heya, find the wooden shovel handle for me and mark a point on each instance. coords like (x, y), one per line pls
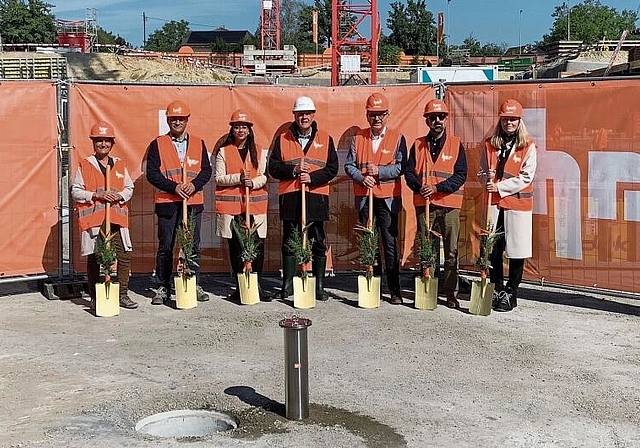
(370, 220)
(107, 218)
(184, 201)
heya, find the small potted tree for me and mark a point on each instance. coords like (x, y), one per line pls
(482, 291)
(107, 290)
(304, 286)
(426, 284)
(368, 284)
(247, 279)
(185, 281)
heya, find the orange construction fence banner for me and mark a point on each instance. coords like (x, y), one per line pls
(137, 113)
(586, 209)
(29, 183)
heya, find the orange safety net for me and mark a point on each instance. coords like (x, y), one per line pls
(29, 183)
(586, 218)
(137, 113)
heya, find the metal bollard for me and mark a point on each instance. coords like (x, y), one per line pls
(296, 367)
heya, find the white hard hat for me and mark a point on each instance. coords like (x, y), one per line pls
(304, 104)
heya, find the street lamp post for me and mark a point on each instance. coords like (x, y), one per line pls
(569, 23)
(520, 33)
(447, 22)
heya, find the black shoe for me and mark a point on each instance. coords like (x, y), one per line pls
(322, 296)
(265, 296)
(504, 302)
(234, 296)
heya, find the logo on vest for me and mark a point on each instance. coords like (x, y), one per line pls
(191, 162)
(119, 175)
(386, 151)
(517, 158)
(317, 145)
(446, 157)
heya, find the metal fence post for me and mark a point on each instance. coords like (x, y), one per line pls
(296, 354)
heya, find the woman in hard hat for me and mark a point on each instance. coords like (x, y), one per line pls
(510, 162)
(88, 190)
(240, 163)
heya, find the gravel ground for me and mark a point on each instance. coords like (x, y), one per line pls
(561, 370)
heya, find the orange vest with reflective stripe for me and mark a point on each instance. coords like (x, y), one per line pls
(316, 156)
(438, 171)
(384, 156)
(94, 214)
(230, 200)
(171, 167)
(522, 200)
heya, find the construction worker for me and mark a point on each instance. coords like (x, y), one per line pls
(304, 155)
(166, 156)
(510, 160)
(375, 162)
(239, 166)
(436, 171)
(89, 192)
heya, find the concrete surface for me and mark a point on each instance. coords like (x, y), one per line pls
(561, 370)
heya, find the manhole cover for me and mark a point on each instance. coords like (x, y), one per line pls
(186, 423)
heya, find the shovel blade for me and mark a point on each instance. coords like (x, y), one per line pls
(426, 293)
(248, 287)
(185, 292)
(304, 293)
(368, 292)
(107, 299)
(481, 297)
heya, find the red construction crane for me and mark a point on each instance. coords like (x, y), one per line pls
(270, 25)
(353, 53)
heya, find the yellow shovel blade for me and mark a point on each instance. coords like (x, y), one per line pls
(107, 299)
(481, 296)
(426, 293)
(304, 293)
(368, 292)
(185, 292)
(248, 286)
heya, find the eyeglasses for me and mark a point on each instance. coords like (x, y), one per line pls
(237, 127)
(434, 117)
(381, 116)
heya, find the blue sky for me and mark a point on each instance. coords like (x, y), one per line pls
(489, 21)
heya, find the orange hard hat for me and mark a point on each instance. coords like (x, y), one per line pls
(377, 102)
(435, 107)
(511, 108)
(102, 130)
(178, 108)
(240, 116)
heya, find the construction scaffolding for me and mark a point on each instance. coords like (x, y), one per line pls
(81, 34)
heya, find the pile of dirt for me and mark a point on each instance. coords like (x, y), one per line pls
(113, 67)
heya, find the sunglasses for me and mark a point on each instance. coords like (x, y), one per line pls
(381, 116)
(434, 117)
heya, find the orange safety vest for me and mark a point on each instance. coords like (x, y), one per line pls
(522, 200)
(230, 200)
(384, 156)
(438, 172)
(292, 153)
(94, 214)
(171, 167)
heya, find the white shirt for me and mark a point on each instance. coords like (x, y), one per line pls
(377, 139)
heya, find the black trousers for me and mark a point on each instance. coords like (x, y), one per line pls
(516, 265)
(169, 219)
(315, 235)
(387, 224)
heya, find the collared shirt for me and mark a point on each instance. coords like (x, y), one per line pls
(377, 139)
(181, 146)
(304, 140)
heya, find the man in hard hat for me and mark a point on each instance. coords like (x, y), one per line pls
(304, 155)
(436, 171)
(375, 162)
(89, 192)
(166, 155)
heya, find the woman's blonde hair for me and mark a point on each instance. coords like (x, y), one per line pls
(522, 136)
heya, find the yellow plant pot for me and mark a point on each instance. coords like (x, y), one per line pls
(426, 293)
(481, 297)
(304, 292)
(248, 285)
(107, 299)
(368, 292)
(185, 292)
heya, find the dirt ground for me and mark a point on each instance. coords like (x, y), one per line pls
(561, 370)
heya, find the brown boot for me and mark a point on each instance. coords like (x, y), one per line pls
(126, 302)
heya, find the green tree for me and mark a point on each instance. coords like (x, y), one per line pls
(412, 27)
(108, 38)
(476, 48)
(30, 22)
(588, 21)
(169, 37)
